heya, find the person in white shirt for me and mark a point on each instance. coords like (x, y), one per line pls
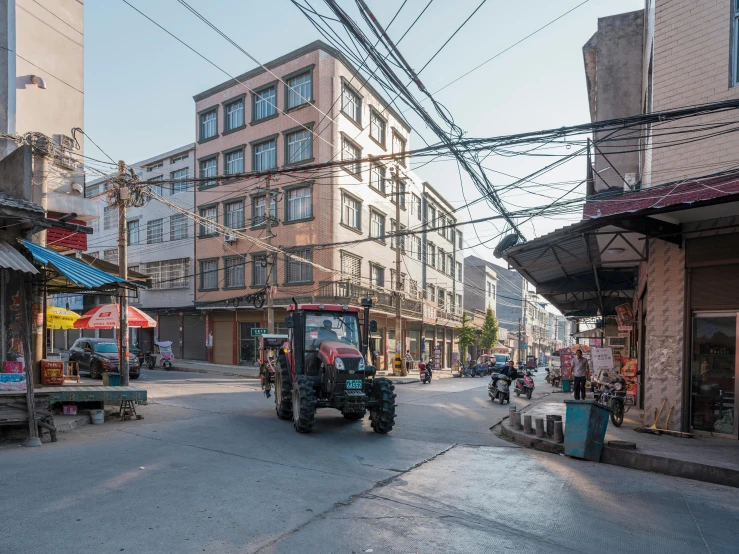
(580, 373)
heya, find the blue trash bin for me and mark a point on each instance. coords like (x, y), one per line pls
(585, 429)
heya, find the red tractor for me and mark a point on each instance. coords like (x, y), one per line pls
(322, 365)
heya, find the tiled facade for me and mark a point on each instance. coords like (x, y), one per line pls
(257, 122)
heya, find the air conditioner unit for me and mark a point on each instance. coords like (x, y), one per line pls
(64, 141)
(229, 237)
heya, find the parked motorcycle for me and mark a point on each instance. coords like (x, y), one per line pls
(150, 360)
(424, 373)
(481, 370)
(468, 371)
(500, 389)
(524, 385)
(613, 397)
(553, 378)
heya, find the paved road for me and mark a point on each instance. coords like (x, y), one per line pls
(211, 469)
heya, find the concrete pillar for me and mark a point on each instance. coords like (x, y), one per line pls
(539, 422)
(558, 433)
(511, 414)
(527, 424)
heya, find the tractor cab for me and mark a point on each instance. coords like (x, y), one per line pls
(322, 364)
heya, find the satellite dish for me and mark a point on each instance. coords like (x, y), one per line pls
(508, 241)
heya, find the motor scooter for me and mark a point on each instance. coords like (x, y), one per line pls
(424, 373)
(524, 385)
(499, 389)
(468, 370)
(553, 377)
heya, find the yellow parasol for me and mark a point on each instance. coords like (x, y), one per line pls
(59, 318)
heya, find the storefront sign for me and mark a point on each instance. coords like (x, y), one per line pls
(52, 372)
(565, 361)
(437, 357)
(602, 363)
(624, 335)
(624, 317)
(75, 301)
(256, 331)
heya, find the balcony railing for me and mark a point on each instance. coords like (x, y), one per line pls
(345, 292)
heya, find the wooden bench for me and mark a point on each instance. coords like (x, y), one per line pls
(14, 411)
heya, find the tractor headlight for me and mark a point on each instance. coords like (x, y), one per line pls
(360, 367)
(618, 386)
(339, 363)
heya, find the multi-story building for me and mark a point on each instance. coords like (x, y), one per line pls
(480, 284)
(42, 91)
(307, 107)
(160, 245)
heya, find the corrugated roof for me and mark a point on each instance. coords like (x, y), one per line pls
(74, 270)
(10, 258)
(20, 204)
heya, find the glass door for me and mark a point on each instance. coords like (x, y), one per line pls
(713, 368)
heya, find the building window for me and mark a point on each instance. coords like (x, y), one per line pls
(416, 206)
(180, 158)
(442, 261)
(393, 284)
(260, 270)
(351, 211)
(490, 294)
(167, 274)
(299, 204)
(155, 166)
(180, 184)
(208, 168)
(296, 270)
(265, 155)
(432, 216)
(133, 269)
(259, 211)
(350, 152)
(210, 213)
(110, 217)
(233, 215)
(111, 255)
(377, 127)
(234, 162)
(178, 227)
(431, 254)
(154, 231)
(157, 189)
(459, 300)
(413, 288)
(402, 192)
(399, 148)
(265, 103)
(431, 293)
(208, 124)
(416, 247)
(377, 275)
(233, 272)
(351, 268)
(351, 103)
(234, 115)
(377, 225)
(299, 146)
(394, 239)
(441, 293)
(300, 90)
(452, 233)
(459, 241)
(441, 225)
(209, 274)
(133, 232)
(450, 264)
(377, 177)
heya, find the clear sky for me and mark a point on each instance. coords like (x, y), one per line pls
(139, 82)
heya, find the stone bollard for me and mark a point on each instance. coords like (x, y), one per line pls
(539, 422)
(517, 422)
(511, 414)
(559, 435)
(527, 424)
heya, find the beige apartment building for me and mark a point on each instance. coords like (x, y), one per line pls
(307, 107)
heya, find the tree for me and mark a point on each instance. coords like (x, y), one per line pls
(467, 337)
(489, 336)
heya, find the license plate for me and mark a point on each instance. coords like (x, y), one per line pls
(354, 384)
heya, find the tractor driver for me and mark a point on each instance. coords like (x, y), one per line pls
(326, 333)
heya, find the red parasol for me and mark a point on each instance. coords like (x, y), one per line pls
(107, 316)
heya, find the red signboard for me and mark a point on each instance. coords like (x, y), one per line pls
(52, 372)
(61, 239)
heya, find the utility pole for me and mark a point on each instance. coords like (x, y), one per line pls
(122, 199)
(268, 213)
(398, 280)
(519, 339)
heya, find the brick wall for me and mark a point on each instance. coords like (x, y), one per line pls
(692, 58)
(665, 324)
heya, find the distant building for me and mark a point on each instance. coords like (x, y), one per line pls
(480, 284)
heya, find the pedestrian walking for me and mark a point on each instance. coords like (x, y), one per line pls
(580, 372)
(408, 360)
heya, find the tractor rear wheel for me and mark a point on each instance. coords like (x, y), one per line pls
(304, 405)
(382, 415)
(283, 390)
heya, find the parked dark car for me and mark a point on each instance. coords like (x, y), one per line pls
(96, 356)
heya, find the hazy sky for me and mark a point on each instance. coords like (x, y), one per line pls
(139, 81)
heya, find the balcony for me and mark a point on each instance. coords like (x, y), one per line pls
(345, 292)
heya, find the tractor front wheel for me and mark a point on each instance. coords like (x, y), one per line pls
(304, 405)
(283, 397)
(382, 415)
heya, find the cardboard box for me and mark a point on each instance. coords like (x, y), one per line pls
(69, 409)
(13, 381)
(13, 367)
(52, 372)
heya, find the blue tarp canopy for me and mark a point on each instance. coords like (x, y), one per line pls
(76, 271)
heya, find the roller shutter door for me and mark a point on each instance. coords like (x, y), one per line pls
(194, 332)
(223, 332)
(169, 330)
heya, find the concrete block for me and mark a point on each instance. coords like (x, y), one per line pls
(559, 436)
(527, 424)
(539, 422)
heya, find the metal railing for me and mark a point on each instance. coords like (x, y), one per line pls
(350, 293)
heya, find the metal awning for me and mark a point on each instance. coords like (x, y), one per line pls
(77, 272)
(591, 266)
(10, 258)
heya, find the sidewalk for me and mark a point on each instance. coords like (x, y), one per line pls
(711, 460)
(252, 371)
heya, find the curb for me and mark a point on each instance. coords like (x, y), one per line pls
(213, 371)
(636, 460)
